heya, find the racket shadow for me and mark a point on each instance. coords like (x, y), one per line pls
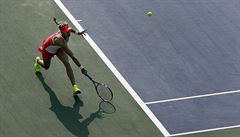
(106, 107)
(69, 116)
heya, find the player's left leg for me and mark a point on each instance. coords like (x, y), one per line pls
(45, 63)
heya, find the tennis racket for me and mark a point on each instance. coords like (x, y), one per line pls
(103, 91)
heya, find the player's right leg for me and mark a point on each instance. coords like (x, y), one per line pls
(64, 59)
(45, 63)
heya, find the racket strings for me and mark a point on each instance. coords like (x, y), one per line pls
(104, 92)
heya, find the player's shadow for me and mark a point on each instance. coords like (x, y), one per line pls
(69, 116)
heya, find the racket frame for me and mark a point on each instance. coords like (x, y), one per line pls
(96, 84)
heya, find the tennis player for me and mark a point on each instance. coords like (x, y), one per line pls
(57, 44)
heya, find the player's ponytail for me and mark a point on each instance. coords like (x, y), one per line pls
(55, 20)
(60, 24)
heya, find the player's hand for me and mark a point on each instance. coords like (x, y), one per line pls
(82, 33)
(83, 70)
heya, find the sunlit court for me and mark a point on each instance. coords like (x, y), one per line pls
(90, 68)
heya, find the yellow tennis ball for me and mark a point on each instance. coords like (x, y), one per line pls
(149, 13)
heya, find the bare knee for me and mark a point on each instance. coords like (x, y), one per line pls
(46, 64)
(47, 67)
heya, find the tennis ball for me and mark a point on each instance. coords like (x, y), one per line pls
(149, 13)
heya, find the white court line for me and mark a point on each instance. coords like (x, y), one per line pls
(115, 71)
(79, 20)
(192, 97)
(129, 88)
(207, 130)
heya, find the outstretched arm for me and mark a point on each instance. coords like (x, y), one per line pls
(73, 31)
(64, 46)
(78, 33)
(70, 53)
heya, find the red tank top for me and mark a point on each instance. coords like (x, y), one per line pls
(48, 45)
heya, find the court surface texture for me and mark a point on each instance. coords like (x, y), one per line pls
(175, 73)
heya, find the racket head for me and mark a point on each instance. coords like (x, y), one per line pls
(107, 107)
(104, 92)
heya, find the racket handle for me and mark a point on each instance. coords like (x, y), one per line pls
(88, 76)
(84, 71)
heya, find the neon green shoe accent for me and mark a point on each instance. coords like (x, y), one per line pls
(76, 90)
(37, 67)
